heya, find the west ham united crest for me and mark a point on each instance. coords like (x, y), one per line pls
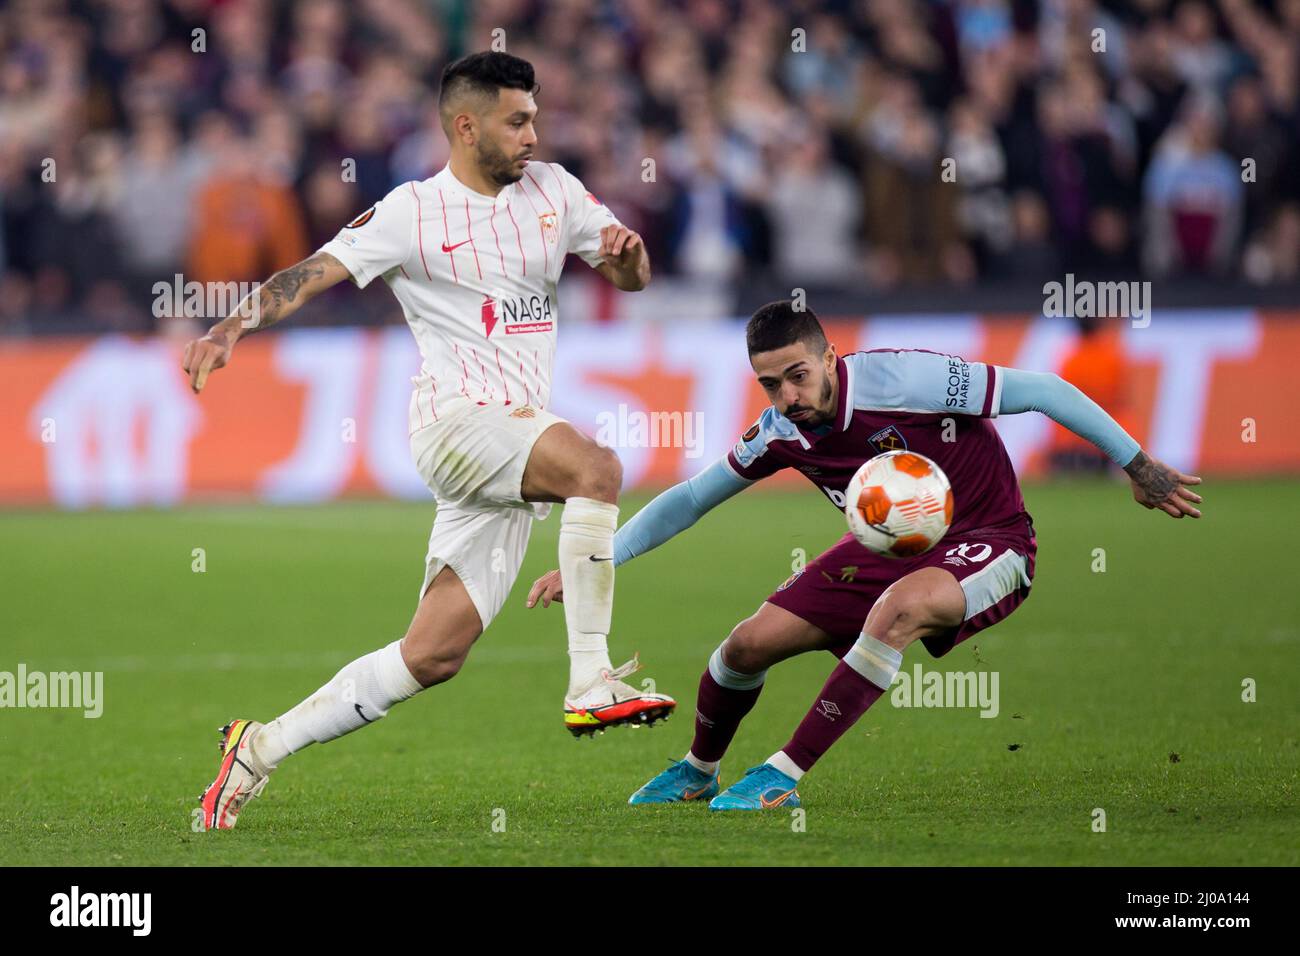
(888, 439)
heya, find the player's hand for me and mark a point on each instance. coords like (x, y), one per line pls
(205, 354)
(620, 246)
(548, 588)
(1156, 485)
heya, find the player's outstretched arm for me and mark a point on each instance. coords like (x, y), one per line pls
(668, 514)
(626, 264)
(1155, 484)
(273, 301)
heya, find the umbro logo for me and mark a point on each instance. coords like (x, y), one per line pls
(828, 709)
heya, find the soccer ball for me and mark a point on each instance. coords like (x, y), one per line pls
(898, 504)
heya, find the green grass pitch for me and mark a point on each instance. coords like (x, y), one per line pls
(1119, 690)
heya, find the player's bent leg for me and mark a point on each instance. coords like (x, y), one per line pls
(565, 465)
(444, 627)
(359, 694)
(768, 636)
(926, 602)
(728, 690)
(730, 685)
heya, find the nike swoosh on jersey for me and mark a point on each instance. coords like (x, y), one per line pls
(447, 248)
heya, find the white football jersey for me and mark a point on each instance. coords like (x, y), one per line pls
(476, 277)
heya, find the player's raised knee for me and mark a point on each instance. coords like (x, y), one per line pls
(916, 606)
(600, 475)
(743, 649)
(900, 614)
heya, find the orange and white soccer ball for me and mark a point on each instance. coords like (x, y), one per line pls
(899, 504)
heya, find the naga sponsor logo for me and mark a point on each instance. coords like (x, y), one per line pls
(958, 383)
(517, 314)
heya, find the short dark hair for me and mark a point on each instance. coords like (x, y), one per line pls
(778, 324)
(483, 75)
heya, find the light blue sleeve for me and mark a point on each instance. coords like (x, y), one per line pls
(676, 510)
(1059, 400)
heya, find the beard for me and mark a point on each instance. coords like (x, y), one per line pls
(817, 418)
(495, 165)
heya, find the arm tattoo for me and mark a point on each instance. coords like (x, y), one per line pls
(1157, 483)
(281, 291)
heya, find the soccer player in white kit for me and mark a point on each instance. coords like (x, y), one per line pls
(473, 255)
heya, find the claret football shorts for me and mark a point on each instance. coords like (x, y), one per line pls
(835, 591)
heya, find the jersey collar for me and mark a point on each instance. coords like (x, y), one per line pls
(446, 179)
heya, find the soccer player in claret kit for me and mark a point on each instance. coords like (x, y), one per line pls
(829, 414)
(473, 255)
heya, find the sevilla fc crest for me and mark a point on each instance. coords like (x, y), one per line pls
(550, 227)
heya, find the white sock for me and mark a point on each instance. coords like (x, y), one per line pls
(359, 694)
(875, 660)
(703, 766)
(787, 766)
(587, 531)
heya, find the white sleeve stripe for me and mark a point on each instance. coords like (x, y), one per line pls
(996, 405)
(726, 460)
(848, 393)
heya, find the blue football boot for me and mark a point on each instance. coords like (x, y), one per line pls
(679, 783)
(762, 788)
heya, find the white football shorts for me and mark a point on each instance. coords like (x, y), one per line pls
(472, 457)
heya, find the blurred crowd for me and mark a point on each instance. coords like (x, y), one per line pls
(879, 143)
